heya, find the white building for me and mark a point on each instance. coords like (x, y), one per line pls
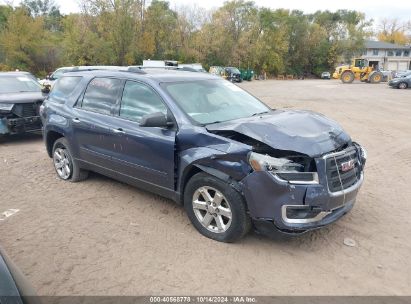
(388, 56)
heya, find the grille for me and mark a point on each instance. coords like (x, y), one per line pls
(26, 110)
(339, 179)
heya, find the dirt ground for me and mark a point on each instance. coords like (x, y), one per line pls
(101, 237)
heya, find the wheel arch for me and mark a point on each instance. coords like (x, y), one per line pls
(51, 137)
(198, 168)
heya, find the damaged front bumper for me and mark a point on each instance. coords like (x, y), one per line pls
(279, 206)
(20, 125)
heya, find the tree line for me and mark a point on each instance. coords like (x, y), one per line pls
(36, 37)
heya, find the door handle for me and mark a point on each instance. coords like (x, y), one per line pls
(76, 120)
(119, 131)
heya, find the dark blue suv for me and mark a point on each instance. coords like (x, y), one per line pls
(233, 162)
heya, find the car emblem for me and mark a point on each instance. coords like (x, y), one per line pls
(348, 166)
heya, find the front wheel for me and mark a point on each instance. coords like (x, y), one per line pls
(402, 85)
(216, 209)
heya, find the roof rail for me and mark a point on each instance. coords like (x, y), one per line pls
(136, 69)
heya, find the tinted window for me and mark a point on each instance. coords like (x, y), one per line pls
(16, 84)
(139, 100)
(101, 95)
(63, 88)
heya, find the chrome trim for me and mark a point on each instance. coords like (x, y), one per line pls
(317, 218)
(345, 191)
(349, 190)
(316, 180)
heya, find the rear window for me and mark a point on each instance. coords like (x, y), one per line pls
(63, 88)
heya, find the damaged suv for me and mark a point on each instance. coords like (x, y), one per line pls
(233, 162)
(20, 99)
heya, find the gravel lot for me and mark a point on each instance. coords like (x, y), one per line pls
(101, 237)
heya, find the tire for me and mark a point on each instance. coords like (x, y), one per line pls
(347, 77)
(376, 77)
(402, 85)
(216, 223)
(66, 167)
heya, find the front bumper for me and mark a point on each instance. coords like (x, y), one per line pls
(277, 205)
(20, 125)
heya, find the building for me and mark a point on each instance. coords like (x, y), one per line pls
(387, 56)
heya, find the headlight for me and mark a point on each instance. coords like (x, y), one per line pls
(6, 107)
(283, 169)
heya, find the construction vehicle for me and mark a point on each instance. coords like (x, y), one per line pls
(359, 69)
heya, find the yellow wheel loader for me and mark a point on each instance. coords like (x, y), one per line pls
(360, 70)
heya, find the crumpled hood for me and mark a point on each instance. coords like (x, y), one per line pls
(304, 132)
(24, 97)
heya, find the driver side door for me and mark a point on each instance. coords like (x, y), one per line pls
(146, 154)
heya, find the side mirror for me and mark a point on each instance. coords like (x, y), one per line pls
(156, 120)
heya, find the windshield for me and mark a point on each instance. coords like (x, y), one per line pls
(211, 101)
(16, 84)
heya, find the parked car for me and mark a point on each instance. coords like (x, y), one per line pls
(14, 287)
(232, 74)
(53, 77)
(326, 75)
(401, 82)
(229, 73)
(397, 74)
(20, 99)
(204, 142)
(194, 67)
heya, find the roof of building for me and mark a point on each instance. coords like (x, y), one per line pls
(370, 44)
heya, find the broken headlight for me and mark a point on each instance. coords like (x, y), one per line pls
(6, 107)
(283, 168)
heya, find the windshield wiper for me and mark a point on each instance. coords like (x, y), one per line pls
(256, 114)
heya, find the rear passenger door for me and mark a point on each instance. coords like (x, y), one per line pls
(144, 153)
(93, 119)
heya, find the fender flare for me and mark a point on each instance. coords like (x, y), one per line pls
(222, 176)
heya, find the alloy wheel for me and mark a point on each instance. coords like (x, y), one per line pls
(212, 209)
(62, 163)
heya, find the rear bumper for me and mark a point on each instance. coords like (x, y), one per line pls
(20, 125)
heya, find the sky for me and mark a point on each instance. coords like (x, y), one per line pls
(375, 9)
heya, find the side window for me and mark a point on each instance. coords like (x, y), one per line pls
(101, 95)
(63, 88)
(140, 100)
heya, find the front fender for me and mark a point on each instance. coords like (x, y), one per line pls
(231, 166)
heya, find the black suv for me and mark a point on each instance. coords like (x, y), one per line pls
(20, 99)
(202, 141)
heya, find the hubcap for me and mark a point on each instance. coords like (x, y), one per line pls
(212, 209)
(62, 163)
(402, 86)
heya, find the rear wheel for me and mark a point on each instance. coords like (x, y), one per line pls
(347, 77)
(66, 167)
(376, 77)
(216, 209)
(403, 85)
